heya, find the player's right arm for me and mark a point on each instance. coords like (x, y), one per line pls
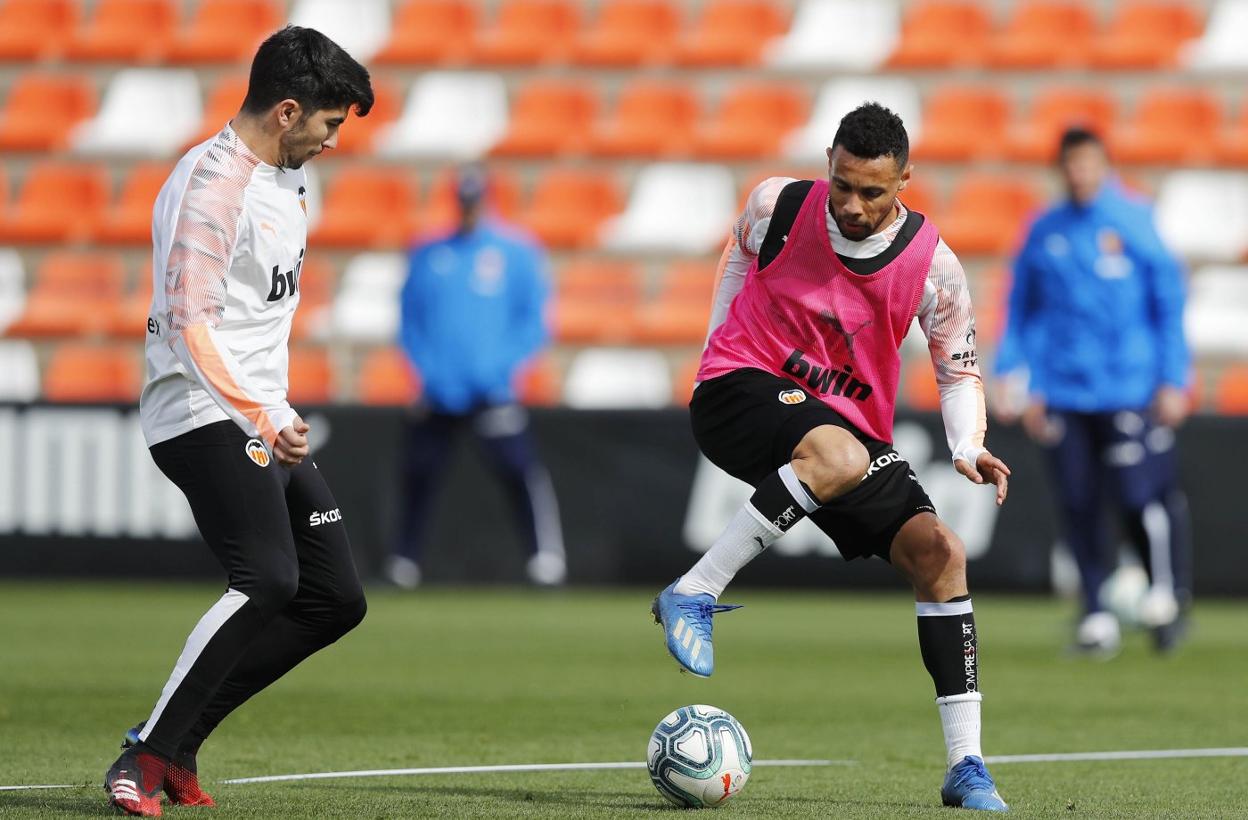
(206, 234)
(743, 246)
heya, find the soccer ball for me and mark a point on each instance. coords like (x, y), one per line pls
(699, 756)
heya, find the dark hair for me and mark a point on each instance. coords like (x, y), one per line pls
(871, 131)
(304, 65)
(1075, 136)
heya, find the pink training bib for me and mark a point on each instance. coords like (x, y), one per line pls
(836, 333)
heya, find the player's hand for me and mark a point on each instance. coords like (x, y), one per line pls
(1170, 406)
(291, 445)
(988, 469)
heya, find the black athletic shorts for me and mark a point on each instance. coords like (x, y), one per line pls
(748, 422)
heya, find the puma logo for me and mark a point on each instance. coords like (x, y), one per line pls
(847, 335)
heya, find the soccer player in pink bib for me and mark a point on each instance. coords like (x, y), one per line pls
(796, 395)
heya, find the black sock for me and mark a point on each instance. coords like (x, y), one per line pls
(783, 499)
(949, 645)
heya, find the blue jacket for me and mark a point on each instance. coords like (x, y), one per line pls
(472, 312)
(1096, 307)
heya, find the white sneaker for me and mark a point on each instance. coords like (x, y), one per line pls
(1158, 607)
(1098, 634)
(547, 569)
(403, 572)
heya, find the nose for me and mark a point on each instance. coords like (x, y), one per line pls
(332, 141)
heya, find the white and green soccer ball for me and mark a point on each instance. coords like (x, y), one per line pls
(699, 757)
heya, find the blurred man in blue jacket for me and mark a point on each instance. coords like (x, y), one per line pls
(1095, 331)
(472, 314)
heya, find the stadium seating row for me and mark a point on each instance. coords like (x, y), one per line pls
(596, 377)
(650, 118)
(1035, 34)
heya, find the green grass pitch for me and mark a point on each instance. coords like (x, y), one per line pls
(450, 677)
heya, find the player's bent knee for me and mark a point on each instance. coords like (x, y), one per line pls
(274, 587)
(830, 461)
(927, 551)
(351, 614)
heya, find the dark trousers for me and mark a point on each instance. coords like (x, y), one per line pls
(1120, 458)
(292, 583)
(502, 433)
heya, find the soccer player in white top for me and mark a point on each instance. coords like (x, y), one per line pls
(229, 234)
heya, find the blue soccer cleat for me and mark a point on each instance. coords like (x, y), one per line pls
(686, 620)
(969, 786)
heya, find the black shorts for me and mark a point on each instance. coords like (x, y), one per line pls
(744, 425)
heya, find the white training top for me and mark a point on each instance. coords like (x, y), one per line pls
(228, 238)
(945, 315)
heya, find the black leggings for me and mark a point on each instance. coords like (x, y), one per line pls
(292, 583)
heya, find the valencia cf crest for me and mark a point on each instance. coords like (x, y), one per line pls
(791, 397)
(256, 452)
(303, 199)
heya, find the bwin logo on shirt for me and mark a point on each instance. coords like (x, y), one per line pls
(333, 516)
(827, 380)
(285, 284)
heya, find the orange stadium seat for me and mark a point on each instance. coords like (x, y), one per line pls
(72, 295)
(1231, 146)
(539, 383)
(651, 119)
(751, 122)
(527, 32)
(963, 123)
(430, 32)
(1044, 34)
(311, 376)
(918, 385)
(441, 209)
(549, 118)
(943, 34)
(596, 302)
(223, 103)
(569, 205)
(1169, 126)
(730, 33)
(681, 311)
(316, 293)
(58, 203)
(1231, 394)
(35, 29)
(1034, 138)
(920, 197)
(987, 214)
(387, 378)
(357, 133)
(367, 207)
(42, 109)
(1145, 34)
(128, 221)
(683, 381)
(94, 373)
(225, 31)
(125, 31)
(127, 319)
(628, 33)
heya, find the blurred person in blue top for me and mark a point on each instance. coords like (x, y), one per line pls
(1095, 365)
(472, 314)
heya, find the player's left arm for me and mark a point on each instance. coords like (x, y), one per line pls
(946, 318)
(1168, 297)
(528, 308)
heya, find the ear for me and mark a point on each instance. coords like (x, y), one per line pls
(288, 113)
(905, 176)
(829, 153)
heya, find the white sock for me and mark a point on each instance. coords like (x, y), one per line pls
(747, 535)
(959, 717)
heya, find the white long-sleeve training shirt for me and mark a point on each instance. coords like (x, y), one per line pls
(945, 314)
(228, 239)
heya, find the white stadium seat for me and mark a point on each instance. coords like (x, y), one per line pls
(1184, 202)
(366, 308)
(1216, 306)
(675, 207)
(1221, 47)
(838, 34)
(838, 97)
(603, 378)
(361, 27)
(12, 287)
(19, 371)
(146, 112)
(449, 114)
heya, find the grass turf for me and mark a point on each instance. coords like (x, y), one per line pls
(465, 677)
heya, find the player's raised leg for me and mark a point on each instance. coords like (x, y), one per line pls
(933, 559)
(827, 462)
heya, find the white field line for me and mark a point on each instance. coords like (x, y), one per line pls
(33, 788)
(1156, 754)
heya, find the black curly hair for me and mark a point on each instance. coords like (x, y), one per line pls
(871, 131)
(302, 64)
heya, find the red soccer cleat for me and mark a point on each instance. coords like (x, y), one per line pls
(181, 779)
(134, 782)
